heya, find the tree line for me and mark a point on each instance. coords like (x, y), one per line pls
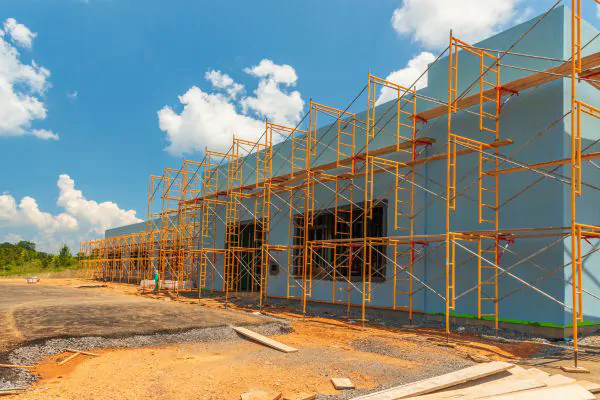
(23, 257)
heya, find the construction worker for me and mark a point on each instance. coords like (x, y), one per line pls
(156, 276)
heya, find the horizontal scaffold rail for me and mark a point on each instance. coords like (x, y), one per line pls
(516, 86)
(528, 167)
(516, 233)
(284, 180)
(288, 178)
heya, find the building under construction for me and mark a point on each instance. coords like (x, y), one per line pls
(477, 196)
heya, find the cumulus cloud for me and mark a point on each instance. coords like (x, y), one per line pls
(211, 118)
(428, 22)
(270, 101)
(407, 76)
(81, 218)
(22, 86)
(97, 217)
(220, 80)
(19, 33)
(28, 213)
(279, 73)
(45, 134)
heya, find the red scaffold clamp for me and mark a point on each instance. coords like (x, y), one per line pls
(503, 238)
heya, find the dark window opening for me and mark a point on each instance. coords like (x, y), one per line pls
(342, 255)
(247, 257)
(274, 269)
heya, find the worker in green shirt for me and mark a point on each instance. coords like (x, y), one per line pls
(156, 277)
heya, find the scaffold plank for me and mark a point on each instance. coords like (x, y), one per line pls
(264, 340)
(439, 382)
(516, 86)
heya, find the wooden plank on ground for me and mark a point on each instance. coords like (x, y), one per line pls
(479, 358)
(66, 360)
(516, 370)
(571, 392)
(509, 373)
(575, 370)
(488, 387)
(439, 382)
(15, 366)
(502, 386)
(534, 373)
(260, 394)
(300, 396)
(10, 392)
(87, 353)
(558, 380)
(342, 383)
(264, 340)
(591, 387)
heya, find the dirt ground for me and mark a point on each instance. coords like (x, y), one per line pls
(372, 357)
(71, 308)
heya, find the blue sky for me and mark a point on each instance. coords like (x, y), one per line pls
(114, 64)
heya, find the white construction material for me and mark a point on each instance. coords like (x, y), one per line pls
(571, 392)
(494, 388)
(342, 383)
(264, 340)
(439, 382)
(167, 284)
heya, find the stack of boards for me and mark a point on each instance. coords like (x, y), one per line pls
(494, 380)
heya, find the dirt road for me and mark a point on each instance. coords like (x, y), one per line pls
(224, 366)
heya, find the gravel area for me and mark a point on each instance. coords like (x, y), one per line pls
(591, 340)
(32, 354)
(412, 353)
(397, 319)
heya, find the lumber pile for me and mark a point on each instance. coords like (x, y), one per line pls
(493, 381)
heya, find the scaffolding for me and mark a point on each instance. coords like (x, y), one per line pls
(241, 196)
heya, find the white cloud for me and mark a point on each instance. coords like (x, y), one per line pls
(211, 118)
(21, 34)
(428, 22)
(279, 73)
(220, 80)
(407, 76)
(27, 213)
(73, 95)
(45, 134)
(207, 120)
(270, 101)
(97, 216)
(22, 86)
(81, 218)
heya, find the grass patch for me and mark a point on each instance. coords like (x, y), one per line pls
(520, 322)
(35, 267)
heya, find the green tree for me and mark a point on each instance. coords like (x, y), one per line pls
(26, 245)
(45, 260)
(64, 257)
